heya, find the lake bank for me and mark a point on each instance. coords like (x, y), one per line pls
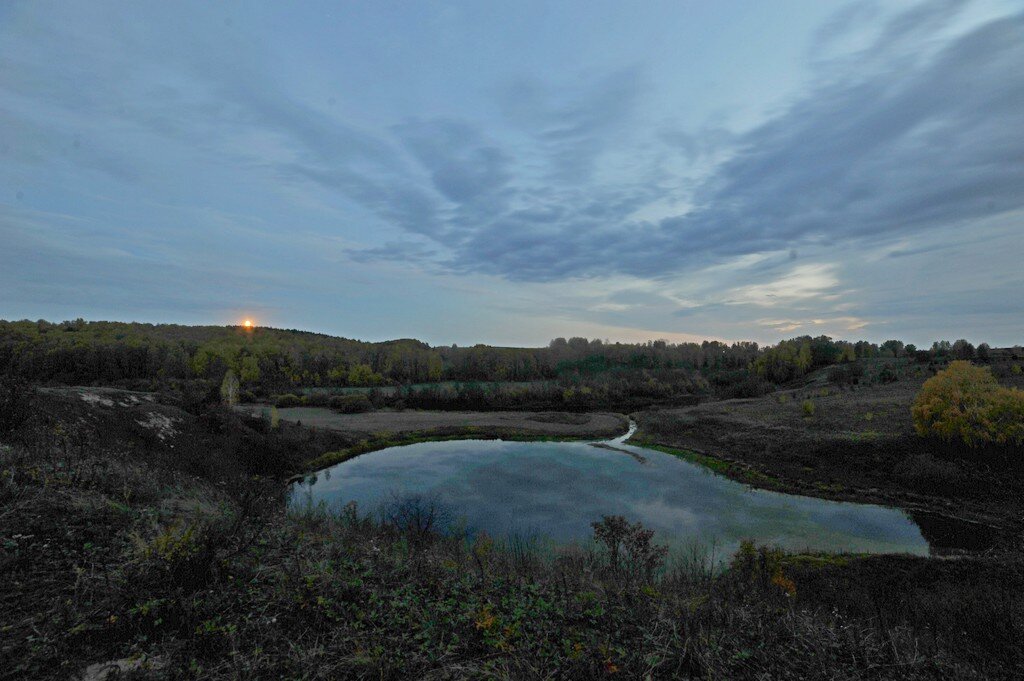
(857, 445)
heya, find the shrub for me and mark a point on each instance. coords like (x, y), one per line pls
(846, 374)
(317, 400)
(760, 567)
(808, 408)
(751, 386)
(1006, 415)
(630, 551)
(965, 403)
(287, 400)
(419, 519)
(351, 404)
(888, 375)
(181, 555)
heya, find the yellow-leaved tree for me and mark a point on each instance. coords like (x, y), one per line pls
(964, 402)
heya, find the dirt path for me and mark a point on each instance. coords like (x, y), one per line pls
(596, 425)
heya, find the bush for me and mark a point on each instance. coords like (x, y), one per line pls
(808, 408)
(317, 400)
(351, 404)
(287, 400)
(760, 567)
(631, 554)
(1006, 415)
(846, 374)
(965, 403)
(888, 375)
(751, 386)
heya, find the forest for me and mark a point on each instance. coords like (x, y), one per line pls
(568, 373)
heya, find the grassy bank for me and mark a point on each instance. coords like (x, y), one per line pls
(730, 469)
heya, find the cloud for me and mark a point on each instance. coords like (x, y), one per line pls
(882, 155)
(217, 145)
(845, 325)
(462, 166)
(803, 282)
(904, 146)
(575, 123)
(405, 251)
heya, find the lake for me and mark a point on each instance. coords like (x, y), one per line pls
(554, 490)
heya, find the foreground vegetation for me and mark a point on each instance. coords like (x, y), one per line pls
(131, 552)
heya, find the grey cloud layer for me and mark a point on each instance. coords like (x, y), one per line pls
(892, 146)
(177, 155)
(905, 146)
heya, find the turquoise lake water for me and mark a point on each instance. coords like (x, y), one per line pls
(554, 490)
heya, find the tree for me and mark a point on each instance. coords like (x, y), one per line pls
(1006, 415)
(984, 352)
(893, 346)
(630, 550)
(804, 358)
(229, 388)
(941, 348)
(962, 349)
(965, 403)
(362, 374)
(250, 369)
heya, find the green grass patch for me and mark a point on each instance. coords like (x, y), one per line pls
(729, 469)
(864, 436)
(819, 560)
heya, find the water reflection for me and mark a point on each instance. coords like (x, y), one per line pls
(556, 489)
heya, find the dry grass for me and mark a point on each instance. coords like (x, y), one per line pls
(114, 554)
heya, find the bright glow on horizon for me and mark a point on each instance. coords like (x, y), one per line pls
(248, 324)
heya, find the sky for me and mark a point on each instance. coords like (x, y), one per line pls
(509, 172)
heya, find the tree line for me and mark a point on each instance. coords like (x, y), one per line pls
(267, 360)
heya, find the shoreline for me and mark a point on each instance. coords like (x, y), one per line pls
(744, 473)
(403, 438)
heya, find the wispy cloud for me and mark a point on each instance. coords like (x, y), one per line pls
(175, 151)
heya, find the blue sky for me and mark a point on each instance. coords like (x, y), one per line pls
(510, 172)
